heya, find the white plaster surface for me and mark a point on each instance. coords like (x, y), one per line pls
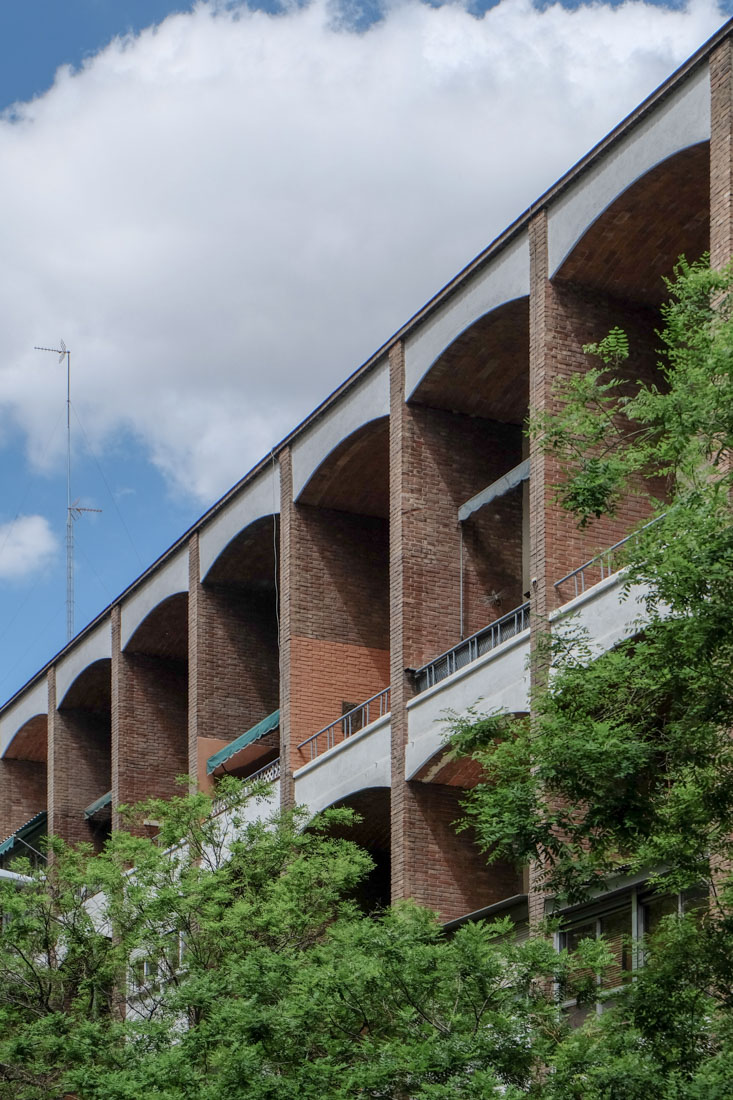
(364, 402)
(497, 681)
(503, 279)
(605, 613)
(259, 498)
(362, 760)
(32, 702)
(256, 809)
(678, 122)
(167, 581)
(95, 646)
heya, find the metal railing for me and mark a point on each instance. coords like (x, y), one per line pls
(268, 774)
(348, 724)
(604, 562)
(483, 641)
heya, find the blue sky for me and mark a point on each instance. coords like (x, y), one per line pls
(223, 217)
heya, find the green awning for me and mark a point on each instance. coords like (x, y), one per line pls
(267, 725)
(24, 831)
(103, 801)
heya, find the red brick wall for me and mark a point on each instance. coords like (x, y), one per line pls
(563, 318)
(721, 154)
(445, 869)
(233, 659)
(149, 724)
(286, 589)
(446, 459)
(22, 793)
(79, 766)
(338, 615)
(438, 461)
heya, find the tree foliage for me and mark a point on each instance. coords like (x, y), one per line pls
(626, 765)
(229, 959)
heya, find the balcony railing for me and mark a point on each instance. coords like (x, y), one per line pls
(348, 724)
(508, 626)
(269, 774)
(607, 563)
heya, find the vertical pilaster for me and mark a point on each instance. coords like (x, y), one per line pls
(401, 689)
(721, 154)
(287, 788)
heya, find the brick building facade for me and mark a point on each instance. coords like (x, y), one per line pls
(338, 570)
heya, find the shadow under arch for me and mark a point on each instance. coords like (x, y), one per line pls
(354, 476)
(236, 621)
(82, 746)
(372, 833)
(636, 240)
(484, 371)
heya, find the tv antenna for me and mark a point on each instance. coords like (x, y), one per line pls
(73, 511)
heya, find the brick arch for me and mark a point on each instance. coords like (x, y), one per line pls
(30, 741)
(164, 630)
(354, 475)
(371, 831)
(484, 371)
(249, 558)
(635, 240)
(91, 689)
(440, 768)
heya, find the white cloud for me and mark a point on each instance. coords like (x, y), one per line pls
(224, 216)
(27, 546)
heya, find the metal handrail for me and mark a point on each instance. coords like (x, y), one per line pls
(350, 723)
(267, 774)
(462, 654)
(604, 560)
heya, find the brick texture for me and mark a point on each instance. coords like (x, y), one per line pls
(721, 154)
(339, 613)
(233, 660)
(22, 793)
(149, 724)
(439, 460)
(79, 768)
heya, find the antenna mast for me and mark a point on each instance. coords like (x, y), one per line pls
(73, 511)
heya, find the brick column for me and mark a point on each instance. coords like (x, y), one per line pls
(22, 793)
(78, 766)
(428, 463)
(335, 608)
(149, 724)
(287, 796)
(721, 154)
(563, 318)
(232, 662)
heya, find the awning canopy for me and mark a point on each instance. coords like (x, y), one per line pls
(102, 802)
(497, 488)
(267, 725)
(31, 826)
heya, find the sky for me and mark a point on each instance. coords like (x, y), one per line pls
(223, 209)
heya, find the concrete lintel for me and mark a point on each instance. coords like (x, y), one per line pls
(259, 498)
(31, 703)
(677, 123)
(94, 646)
(167, 581)
(497, 681)
(355, 764)
(502, 280)
(364, 402)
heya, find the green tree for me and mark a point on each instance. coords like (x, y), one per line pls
(233, 962)
(626, 765)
